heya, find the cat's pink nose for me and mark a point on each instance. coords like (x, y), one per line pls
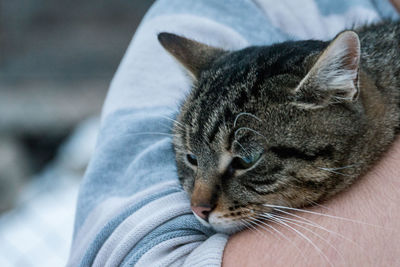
(203, 211)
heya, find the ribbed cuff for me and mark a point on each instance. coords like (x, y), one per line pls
(209, 253)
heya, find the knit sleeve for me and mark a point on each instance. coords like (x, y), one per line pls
(131, 209)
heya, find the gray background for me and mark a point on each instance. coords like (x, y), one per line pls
(57, 59)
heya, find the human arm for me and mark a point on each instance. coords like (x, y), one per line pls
(370, 239)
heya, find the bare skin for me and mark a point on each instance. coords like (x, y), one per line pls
(371, 241)
(396, 4)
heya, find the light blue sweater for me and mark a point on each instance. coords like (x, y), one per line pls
(131, 210)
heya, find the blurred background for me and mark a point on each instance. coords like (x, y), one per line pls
(57, 59)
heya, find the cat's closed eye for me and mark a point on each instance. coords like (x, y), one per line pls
(192, 159)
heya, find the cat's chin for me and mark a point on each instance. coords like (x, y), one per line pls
(221, 226)
(228, 229)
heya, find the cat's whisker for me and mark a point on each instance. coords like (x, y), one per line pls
(312, 232)
(327, 230)
(257, 222)
(173, 120)
(277, 207)
(313, 203)
(313, 224)
(279, 221)
(263, 224)
(248, 129)
(180, 126)
(242, 209)
(344, 167)
(308, 222)
(249, 227)
(168, 127)
(252, 227)
(245, 114)
(335, 172)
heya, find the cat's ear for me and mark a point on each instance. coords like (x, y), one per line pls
(334, 76)
(194, 56)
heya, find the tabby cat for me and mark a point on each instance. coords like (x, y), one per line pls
(289, 124)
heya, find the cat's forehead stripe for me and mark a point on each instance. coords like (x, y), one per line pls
(233, 93)
(218, 111)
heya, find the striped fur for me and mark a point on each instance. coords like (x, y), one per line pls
(257, 100)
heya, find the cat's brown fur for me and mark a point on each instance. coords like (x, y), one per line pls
(289, 124)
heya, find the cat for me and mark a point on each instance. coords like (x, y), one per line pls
(290, 124)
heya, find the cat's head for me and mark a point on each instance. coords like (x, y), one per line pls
(265, 126)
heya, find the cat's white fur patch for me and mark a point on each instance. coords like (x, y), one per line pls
(224, 161)
(224, 225)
